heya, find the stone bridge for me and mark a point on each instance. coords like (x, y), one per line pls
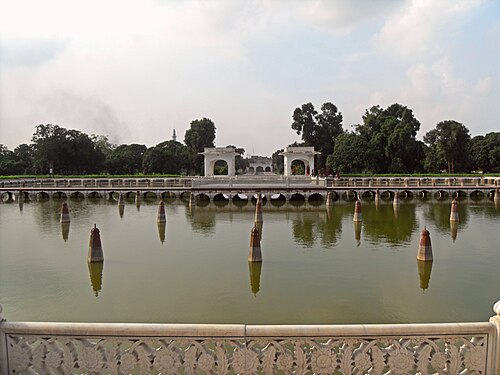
(275, 188)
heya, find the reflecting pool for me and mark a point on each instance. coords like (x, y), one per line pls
(319, 267)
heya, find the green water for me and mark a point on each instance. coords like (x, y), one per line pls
(318, 268)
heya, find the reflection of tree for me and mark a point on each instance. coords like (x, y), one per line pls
(381, 223)
(255, 269)
(424, 273)
(326, 226)
(202, 220)
(95, 271)
(439, 215)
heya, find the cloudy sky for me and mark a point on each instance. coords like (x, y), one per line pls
(135, 70)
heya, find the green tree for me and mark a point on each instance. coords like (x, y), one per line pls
(390, 135)
(7, 164)
(125, 159)
(278, 161)
(350, 154)
(66, 151)
(318, 129)
(484, 153)
(102, 143)
(24, 159)
(449, 141)
(201, 134)
(167, 157)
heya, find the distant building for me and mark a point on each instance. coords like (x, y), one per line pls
(259, 165)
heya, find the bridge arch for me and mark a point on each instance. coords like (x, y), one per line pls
(59, 195)
(77, 195)
(315, 197)
(349, 195)
(221, 197)
(441, 195)
(240, 197)
(7, 197)
(297, 197)
(368, 195)
(169, 195)
(459, 194)
(406, 194)
(94, 194)
(41, 195)
(477, 195)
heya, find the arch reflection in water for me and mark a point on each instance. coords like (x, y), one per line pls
(95, 271)
(161, 231)
(65, 231)
(255, 269)
(424, 273)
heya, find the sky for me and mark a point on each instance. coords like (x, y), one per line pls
(136, 70)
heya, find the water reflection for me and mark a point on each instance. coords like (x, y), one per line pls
(424, 273)
(255, 269)
(382, 224)
(439, 215)
(65, 230)
(325, 225)
(357, 232)
(453, 230)
(161, 231)
(95, 271)
(121, 210)
(396, 207)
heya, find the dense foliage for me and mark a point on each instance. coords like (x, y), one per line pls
(385, 142)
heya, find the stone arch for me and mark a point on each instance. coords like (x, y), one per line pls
(441, 194)
(59, 195)
(7, 197)
(305, 154)
(297, 197)
(368, 195)
(220, 167)
(299, 167)
(477, 195)
(267, 169)
(94, 194)
(214, 154)
(77, 195)
(277, 197)
(221, 197)
(240, 197)
(315, 197)
(259, 170)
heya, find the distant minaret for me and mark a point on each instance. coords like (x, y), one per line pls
(174, 136)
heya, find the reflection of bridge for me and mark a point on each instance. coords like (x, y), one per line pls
(238, 188)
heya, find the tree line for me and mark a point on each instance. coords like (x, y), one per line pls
(72, 152)
(385, 142)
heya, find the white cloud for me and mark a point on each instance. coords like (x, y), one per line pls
(414, 31)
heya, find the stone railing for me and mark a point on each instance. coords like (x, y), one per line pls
(95, 348)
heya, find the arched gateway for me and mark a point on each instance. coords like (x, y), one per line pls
(304, 154)
(213, 155)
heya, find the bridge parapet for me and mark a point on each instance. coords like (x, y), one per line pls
(451, 348)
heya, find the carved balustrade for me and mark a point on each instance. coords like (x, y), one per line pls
(95, 348)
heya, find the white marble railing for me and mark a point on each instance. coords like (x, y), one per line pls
(94, 348)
